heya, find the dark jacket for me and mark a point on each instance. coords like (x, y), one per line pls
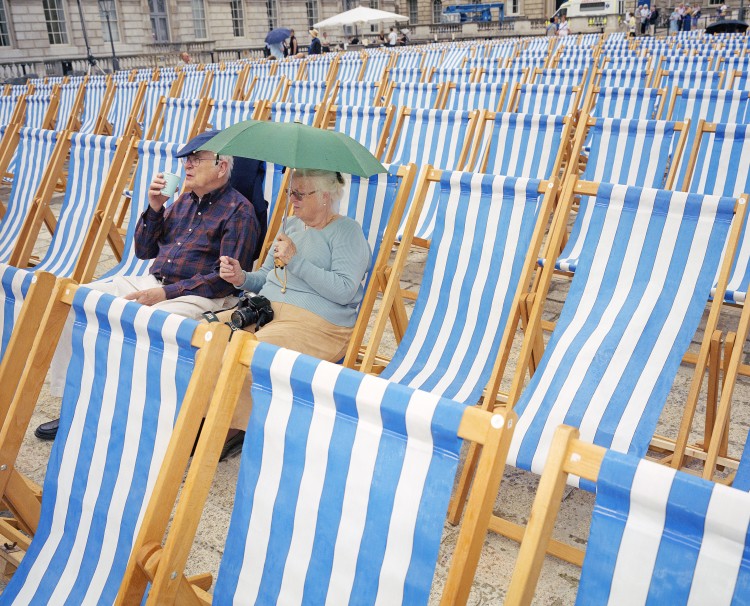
(314, 48)
(247, 178)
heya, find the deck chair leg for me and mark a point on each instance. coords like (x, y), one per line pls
(712, 395)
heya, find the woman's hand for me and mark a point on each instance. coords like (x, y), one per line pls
(230, 270)
(284, 249)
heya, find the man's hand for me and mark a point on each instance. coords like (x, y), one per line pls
(150, 296)
(284, 249)
(230, 270)
(156, 199)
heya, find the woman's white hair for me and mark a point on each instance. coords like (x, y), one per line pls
(329, 181)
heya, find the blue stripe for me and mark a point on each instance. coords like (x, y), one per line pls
(10, 302)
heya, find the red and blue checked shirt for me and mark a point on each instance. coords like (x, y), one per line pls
(187, 239)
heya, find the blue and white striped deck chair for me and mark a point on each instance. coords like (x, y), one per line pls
(416, 96)
(192, 84)
(375, 66)
(629, 152)
(350, 70)
(454, 57)
(123, 106)
(68, 94)
(742, 477)
(265, 88)
(153, 157)
(698, 79)
(432, 57)
(530, 63)
(627, 103)
(458, 75)
(90, 159)
(734, 63)
(37, 111)
(155, 90)
(33, 153)
(317, 71)
(481, 95)
(501, 51)
(522, 145)
(360, 94)
(658, 536)
(289, 68)
(479, 252)
(624, 78)
(273, 180)
(642, 64)
(176, 120)
(116, 430)
(485, 63)
(14, 287)
(226, 113)
(574, 63)
(304, 92)
(695, 63)
(406, 75)
(224, 84)
(7, 106)
(370, 126)
(292, 112)
(92, 102)
(545, 99)
(408, 59)
(509, 76)
(260, 69)
(637, 298)
(740, 80)
(570, 77)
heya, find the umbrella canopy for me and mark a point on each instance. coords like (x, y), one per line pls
(728, 26)
(295, 145)
(278, 35)
(361, 15)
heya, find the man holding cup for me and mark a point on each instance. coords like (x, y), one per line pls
(185, 240)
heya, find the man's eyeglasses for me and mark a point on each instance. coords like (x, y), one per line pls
(301, 195)
(196, 160)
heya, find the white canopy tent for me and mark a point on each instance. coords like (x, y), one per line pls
(361, 15)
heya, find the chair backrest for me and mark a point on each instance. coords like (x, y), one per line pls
(289, 68)
(710, 105)
(459, 75)
(292, 112)
(638, 295)
(155, 90)
(454, 57)
(414, 95)
(37, 108)
(408, 59)
(546, 99)
(265, 88)
(696, 79)
(113, 437)
(628, 103)
(33, 153)
(349, 70)
(7, 107)
(562, 77)
(192, 84)
(224, 83)
(226, 113)
(310, 93)
(510, 76)
(14, 286)
(626, 78)
(375, 66)
(365, 522)
(177, 119)
(407, 75)
(359, 94)
(124, 106)
(92, 102)
(68, 95)
(467, 96)
(370, 126)
(483, 227)
(89, 162)
(740, 80)
(153, 157)
(629, 152)
(317, 71)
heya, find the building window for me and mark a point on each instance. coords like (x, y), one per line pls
(272, 14)
(413, 12)
(4, 25)
(376, 5)
(437, 11)
(159, 21)
(514, 7)
(199, 19)
(312, 12)
(238, 18)
(54, 15)
(108, 10)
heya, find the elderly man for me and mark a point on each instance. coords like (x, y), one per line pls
(211, 219)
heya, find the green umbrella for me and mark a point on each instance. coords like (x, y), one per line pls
(295, 145)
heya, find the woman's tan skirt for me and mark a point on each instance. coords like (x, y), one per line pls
(297, 329)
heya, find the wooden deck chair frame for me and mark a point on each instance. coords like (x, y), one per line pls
(131, 126)
(532, 345)
(329, 121)
(74, 120)
(590, 101)
(20, 494)
(199, 122)
(163, 566)
(257, 109)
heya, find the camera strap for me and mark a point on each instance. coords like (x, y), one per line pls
(210, 316)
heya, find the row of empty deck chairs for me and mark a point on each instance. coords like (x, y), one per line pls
(645, 260)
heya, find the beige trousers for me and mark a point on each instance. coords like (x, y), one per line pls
(300, 330)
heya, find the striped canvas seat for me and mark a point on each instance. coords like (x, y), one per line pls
(742, 478)
(68, 93)
(114, 431)
(546, 99)
(627, 103)
(375, 66)
(226, 113)
(454, 57)
(37, 107)
(123, 106)
(155, 90)
(289, 68)
(657, 532)
(89, 161)
(92, 102)
(350, 70)
(192, 84)
(357, 94)
(741, 80)
(569, 77)
(508, 134)
(260, 69)
(264, 88)
(630, 152)
(725, 106)
(458, 75)
(153, 157)
(626, 63)
(33, 153)
(530, 63)
(629, 79)
(672, 80)
(721, 168)
(484, 63)
(417, 96)
(635, 302)
(14, 286)
(432, 57)
(696, 63)
(317, 71)
(406, 74)
(365, 125)
(362, 523)
(292, 112)
(7, 105)
(224, 84)
(310, 93)
(178, 118)
(408, 59)
(482, 233)
(468, 96)
(574, 64)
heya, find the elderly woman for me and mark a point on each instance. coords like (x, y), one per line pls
(316, 296)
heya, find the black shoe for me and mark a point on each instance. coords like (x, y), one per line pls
(47, 431)
(233, 446)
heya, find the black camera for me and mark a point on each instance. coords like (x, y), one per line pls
(254, 309)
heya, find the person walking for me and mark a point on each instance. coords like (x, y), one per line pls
(315, 47)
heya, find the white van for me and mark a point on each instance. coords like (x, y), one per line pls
(590, 8)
